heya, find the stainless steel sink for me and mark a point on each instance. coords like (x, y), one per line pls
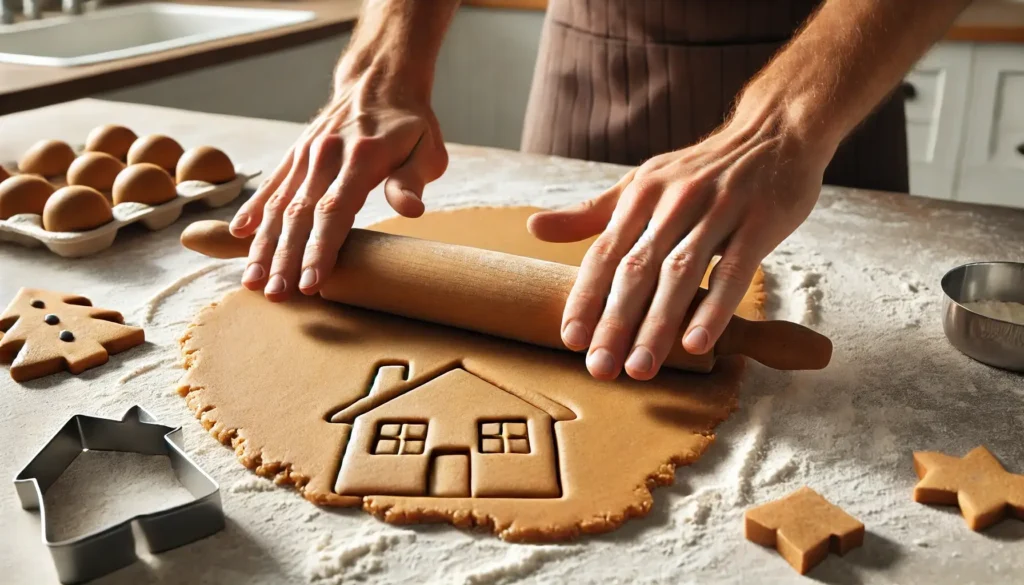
(114, 33)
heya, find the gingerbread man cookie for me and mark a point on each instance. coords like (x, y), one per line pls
(44, 332)
(977, 483)
(801, 526)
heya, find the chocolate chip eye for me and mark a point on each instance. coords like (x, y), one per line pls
(51, 319)
(67, 336)
(39, 304)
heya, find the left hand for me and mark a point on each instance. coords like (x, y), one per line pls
(738, 193)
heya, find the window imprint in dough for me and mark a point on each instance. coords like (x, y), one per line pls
(397, 438)
(504, 437)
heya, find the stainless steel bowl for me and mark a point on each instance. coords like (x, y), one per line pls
(991, 341)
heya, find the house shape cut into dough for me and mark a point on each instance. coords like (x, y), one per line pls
(456, 435)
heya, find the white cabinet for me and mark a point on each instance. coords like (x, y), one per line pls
(965, 123)
(936, 99)
(992, 168)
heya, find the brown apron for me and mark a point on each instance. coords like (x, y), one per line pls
(623, 80)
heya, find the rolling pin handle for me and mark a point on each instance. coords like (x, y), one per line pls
(777, 344)
(213, 238)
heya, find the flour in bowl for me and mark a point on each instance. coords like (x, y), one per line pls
(1004, 310)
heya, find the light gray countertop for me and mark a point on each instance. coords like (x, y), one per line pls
(864, 269)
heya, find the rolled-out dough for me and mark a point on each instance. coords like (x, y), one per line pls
(439, 424)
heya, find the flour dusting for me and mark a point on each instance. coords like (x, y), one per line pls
(143, 369)
(519, 562)
(331, 561)
(152, 305)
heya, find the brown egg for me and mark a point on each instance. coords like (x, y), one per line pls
(112, 139)
(205, 163)
(76, 208)
(49, 158)
(144, 183)
(95, 169)
(157, 149)
(4, 174)
(23, 194)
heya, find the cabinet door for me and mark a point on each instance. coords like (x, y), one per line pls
(936, 97)
(993, 162)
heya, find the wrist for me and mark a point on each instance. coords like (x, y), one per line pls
(792, 117)
(384, 70)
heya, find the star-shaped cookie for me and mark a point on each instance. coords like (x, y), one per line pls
(978, 483)
(43, 332)
(804, 527)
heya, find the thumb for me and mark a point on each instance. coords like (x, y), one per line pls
(404, 188)
(578, 222)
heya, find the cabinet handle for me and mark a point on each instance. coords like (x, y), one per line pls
(1020, 149)
(909, 91)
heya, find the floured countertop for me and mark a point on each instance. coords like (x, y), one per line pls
(864, 270)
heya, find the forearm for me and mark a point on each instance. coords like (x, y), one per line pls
(398, 40)
(848, 57)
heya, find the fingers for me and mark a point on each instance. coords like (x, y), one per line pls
(583, 308)
(728, 283)
(633, 282)
(261, 252)
(297, 222)
(640, 275)
(681, 273)
(404, 188)
(581, 221)
(332, 220)
(248, 217)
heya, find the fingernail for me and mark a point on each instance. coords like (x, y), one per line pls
(252, 273)
(308, 278)
(601, 362)
(640, 361)
(275, 285)
(241, 220)
(697, 340)
(576, 335)
(409, 193)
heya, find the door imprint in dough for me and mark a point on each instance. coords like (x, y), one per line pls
(449, 475)
(455, 435)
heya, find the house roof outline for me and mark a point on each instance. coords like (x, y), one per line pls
(368, 403)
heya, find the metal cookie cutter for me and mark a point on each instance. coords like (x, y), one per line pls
(113, 547)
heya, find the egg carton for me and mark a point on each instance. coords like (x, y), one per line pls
(27, 228)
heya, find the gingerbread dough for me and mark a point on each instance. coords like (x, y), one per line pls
(438, 424)
(804, 527)
(985, 492)
(44, 332)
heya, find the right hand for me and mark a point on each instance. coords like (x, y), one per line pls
(371, 131)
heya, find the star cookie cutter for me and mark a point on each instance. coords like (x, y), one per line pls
(112, 547)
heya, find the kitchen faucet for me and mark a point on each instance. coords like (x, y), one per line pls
(33, 9)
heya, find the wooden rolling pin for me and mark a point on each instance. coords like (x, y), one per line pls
(499, 294)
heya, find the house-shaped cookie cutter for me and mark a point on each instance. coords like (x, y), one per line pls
(110, 548)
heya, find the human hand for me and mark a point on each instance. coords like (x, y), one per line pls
(738, 193)
(373, 129)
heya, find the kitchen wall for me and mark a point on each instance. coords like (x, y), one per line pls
(287, 85)
(484, 74)
(482, 84)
